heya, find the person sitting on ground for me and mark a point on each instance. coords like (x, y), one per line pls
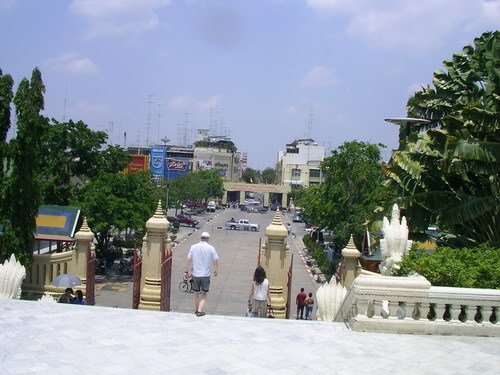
(67, 297)
(79, 300)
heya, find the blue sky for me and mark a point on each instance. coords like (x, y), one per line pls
(264, 72)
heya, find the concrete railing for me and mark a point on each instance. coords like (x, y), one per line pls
(412, 305)
(45, 268)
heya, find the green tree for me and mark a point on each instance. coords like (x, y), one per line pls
(6, 95)
(447, 169)
(23, 193)
(74, 150)
(198, 186)
(268, 175)
(351, 193)
(251, 176)
(116, 202)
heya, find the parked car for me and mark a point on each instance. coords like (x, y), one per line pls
(297, 217)
(242, 224)
(183, 219)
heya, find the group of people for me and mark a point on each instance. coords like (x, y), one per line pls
(304, 301)
(203, 261)
(70, 297)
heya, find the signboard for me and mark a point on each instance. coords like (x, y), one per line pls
(137, 163)
(176, 167)
(157, 166)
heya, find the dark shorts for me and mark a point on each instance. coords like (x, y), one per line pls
(201, 283)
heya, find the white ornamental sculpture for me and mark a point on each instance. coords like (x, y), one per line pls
(47, 298)
(329, 296)
(395, 243)
(12, 274)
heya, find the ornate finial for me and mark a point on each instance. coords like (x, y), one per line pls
(85, 227)
(277, 218)
(276, 230)
(350, 251)
(159, 210)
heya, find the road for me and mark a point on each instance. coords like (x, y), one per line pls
(238, 251)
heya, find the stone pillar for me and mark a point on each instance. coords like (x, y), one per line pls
(350, 256)
(156, 230)
(284, 200)
(266, 200)
(84, 239)
(224, 198)
(276, 261)
(242, 197)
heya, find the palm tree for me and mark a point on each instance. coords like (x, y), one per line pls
(448, 168)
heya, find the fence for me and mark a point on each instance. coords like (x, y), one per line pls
(412, 305)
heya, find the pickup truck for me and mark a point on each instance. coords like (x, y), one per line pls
(184, 219)
(242, 224)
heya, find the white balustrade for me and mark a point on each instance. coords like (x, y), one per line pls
(412, 305)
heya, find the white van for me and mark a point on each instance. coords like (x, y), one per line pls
(211, 206)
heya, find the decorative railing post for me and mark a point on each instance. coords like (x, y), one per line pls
(156, 230)
(84, 238)
(351, 267)
(276, 262)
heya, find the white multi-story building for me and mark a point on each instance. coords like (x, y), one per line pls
(300, 163)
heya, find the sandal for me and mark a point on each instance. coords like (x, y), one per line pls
(200, 313)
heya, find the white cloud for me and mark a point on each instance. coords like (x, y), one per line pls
(193, 104)
(319, 76)
(417, 25)
(118, 17)
(7, 4)
(90, 112)
(72, 62)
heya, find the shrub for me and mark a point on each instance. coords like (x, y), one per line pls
(466, 267)
(319, 255)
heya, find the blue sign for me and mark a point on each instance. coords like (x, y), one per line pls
(157, 161)
(177, 167)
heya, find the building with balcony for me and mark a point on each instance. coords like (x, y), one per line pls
(299, 163)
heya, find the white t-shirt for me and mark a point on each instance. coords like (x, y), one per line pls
(260, 291)
(202, 255)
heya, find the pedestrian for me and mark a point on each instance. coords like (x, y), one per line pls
(201, 259)
(79, 300)
(259, 299)
(300, 302)
(309, 302)
(67, 296)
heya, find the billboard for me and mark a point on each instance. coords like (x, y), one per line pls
(176, 167)
(137, 163)
(157, 166)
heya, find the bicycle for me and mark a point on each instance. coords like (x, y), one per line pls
(186, 285)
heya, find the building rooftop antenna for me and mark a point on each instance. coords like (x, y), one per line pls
(65, 102)
(158, 120)
(310, 122)
(148, 124)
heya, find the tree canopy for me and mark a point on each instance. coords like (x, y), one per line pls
(352, 192)
(117, 202)
(22, 190)
(197, 186)
(447, 170)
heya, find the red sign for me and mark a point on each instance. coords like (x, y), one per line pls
(137, 163)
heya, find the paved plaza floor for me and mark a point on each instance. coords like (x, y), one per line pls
(60, 339)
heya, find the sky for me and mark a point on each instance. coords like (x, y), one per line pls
(262, 72)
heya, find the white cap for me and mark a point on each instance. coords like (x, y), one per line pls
(205, 235)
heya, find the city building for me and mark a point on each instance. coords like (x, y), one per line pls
(209, 152)
(300, 163)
